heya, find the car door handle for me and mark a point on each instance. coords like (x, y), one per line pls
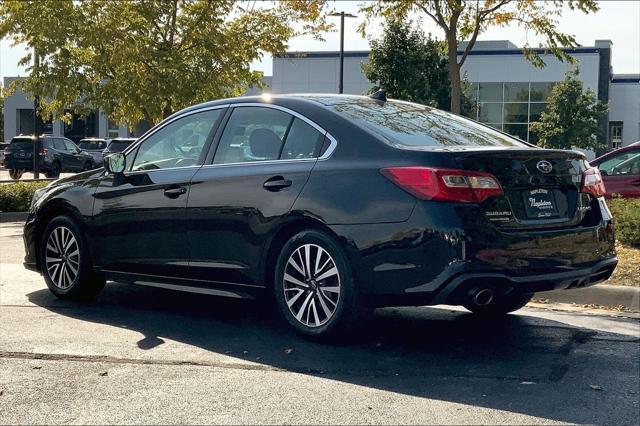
(276, 183)
(174, 191)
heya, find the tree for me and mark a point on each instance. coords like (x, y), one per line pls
(145, 59)
(408, 65)
(464, 19)
(571, 117)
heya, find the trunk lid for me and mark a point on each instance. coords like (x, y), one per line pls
(541, 186)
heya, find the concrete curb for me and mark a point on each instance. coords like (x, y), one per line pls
(601, 295)
(13, 216)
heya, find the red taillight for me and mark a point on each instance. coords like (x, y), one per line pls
(43, 151)
(444, 184)
(592, 182)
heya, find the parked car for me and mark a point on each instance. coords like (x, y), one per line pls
(94, 147)
(339, 204)
(55, 155)
(118, 145)
(620, 171)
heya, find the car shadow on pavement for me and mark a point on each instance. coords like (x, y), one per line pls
(518, 363)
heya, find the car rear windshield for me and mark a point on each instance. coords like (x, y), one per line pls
(407, 124)
(92, 145)
(21, 143)
(117, 146)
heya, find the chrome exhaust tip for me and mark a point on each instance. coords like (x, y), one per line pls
(483, 297)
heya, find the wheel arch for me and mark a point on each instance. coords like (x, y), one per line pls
(287, 230)
(52, 209)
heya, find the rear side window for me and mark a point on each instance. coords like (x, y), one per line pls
(253, 134)
(624, 163)
(407, 124)
(303, 141)
(69, 145)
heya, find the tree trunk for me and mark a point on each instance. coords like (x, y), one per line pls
(167, 110)
(454, 75)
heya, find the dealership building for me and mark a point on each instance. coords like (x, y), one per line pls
(510, 93)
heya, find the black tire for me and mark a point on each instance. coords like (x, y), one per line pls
(87, 166)
(15, 174)
(349, 310)
(54, 172)
(501, 306)
(85, 285)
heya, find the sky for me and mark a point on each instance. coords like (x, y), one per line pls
(618, 21)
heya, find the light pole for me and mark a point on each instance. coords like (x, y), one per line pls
(342, 15)
(36, 120)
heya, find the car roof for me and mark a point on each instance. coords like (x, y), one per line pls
(316, 99)
(92, 139)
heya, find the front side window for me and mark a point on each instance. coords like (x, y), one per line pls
(627, 163)
(70, 146)
(253, 134)
(178, 144)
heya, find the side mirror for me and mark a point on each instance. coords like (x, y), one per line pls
(115, 163)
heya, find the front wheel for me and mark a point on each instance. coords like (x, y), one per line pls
(314, 287)
(500, 306)
(65, 262)
(87, 166)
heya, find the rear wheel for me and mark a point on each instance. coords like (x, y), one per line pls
(54, 172)
(15, 174)
(500, 305)
(314, 287)
(66, 264)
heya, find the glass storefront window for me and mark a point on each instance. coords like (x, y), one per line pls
(540, 91)
(516, 112)
(490, 112)
(112, 129)
(535, 111)
(490, 92)
(516, 92)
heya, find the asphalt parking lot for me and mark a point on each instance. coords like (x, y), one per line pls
(143, 355)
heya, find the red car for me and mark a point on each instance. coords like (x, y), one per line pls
(620, 170)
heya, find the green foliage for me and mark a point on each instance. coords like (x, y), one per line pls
(571, 117)
(408, 65)
(145, 59)
(466, 20)
(16, 197)
(626, 216)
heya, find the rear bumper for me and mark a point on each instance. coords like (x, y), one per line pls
(445, 250)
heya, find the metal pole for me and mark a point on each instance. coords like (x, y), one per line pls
(341, 86)
(36, 121)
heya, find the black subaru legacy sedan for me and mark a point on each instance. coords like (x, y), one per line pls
(334, 205)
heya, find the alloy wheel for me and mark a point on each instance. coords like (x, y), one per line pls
(311, 285)
(62, 257)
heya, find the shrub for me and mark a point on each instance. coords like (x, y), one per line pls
(16, 197)
(626, 213)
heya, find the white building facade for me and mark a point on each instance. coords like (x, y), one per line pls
(18, 119)
(510, 93)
